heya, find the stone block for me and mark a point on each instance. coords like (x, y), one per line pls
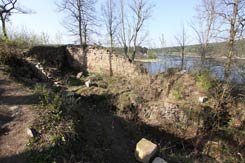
(159, 160)
(145, 150)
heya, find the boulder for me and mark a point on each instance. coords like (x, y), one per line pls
(145, 150)
(159, 160)
(183, 72)
(32, 132)
(39, 66)
(203, 99)
(88, 83)
(79, 75)
(13, 108)
(57, 83)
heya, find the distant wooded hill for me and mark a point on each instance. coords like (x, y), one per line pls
(215, 50)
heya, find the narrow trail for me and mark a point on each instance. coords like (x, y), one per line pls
(15, 118)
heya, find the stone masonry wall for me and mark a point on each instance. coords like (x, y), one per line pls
(71, 55)
(98, 61)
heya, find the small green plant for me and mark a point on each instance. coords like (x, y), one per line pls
(72, 81)
(53, 124)
(177, 92)
(42, 93)
(229, 155)
(49, 101)
(204, 79)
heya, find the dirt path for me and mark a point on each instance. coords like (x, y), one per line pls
(15, 118)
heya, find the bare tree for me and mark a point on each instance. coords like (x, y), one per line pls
(206, 25)
(181, 41)
(80, 21)
(125, 34)
(110, 19)
(122, 33)
(163, 42)
(231, 14)
(141, 10)
(7, 8)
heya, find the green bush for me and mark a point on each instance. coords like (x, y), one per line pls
(204, 79)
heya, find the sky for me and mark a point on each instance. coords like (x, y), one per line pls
(167, 18)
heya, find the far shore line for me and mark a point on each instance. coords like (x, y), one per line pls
(159, 60)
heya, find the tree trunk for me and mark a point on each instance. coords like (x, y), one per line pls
(203, 54)
(135, 46)
(4, 28)
(125, 50)
(123, 30)
(82, 40)
(80, 35)
(80, 22)
(110, 55)
(182, 57)
(231, 40)
(84, 58)
(129, 44)
(85, 64)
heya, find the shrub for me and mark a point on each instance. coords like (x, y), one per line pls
(172, 71)
(204, 79)
(24, 38)
(8, 52)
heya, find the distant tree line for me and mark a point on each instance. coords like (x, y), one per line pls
(215, 50)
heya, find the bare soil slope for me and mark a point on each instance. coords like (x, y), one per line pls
(15, 117)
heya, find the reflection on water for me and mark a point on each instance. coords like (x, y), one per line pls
(217, 67)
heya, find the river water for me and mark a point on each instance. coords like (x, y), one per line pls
(216, 66)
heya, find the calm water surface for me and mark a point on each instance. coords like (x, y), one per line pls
(217, 67)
